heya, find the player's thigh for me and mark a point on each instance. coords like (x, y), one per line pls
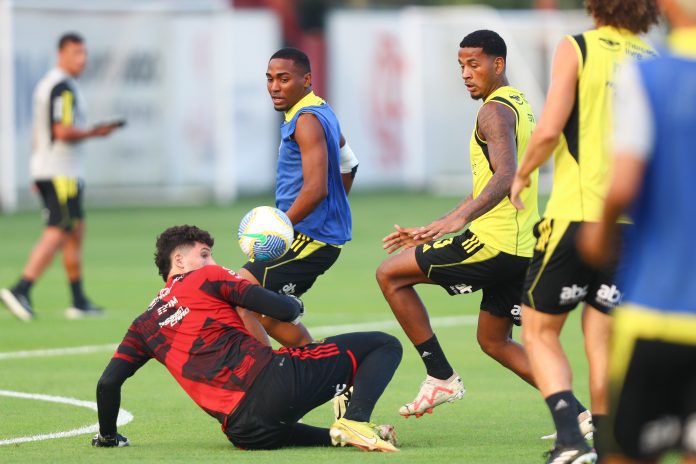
(298, 269)
(557, 279)
(362, 344)
(401, 269)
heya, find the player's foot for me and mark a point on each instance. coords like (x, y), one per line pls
(434, 392)
(363, 435)
(341, 402)
(84, 310)
(586, 427)
(18, 303)
(580, 453)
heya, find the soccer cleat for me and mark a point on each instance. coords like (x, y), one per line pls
(580, 453)
(363, 435)
(83, 311)
(341, 402)
(17, 303)
(110, 441)
(586, 427)
(434, 392)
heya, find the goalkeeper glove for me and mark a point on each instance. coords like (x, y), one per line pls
(297, 319)
(110, 441)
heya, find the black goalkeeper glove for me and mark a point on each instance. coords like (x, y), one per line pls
(297, 319)
(110, 441)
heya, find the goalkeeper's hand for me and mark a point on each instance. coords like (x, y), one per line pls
(110, 441)
(297, 319)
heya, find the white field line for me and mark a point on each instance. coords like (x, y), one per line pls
(124, 417)
(325, 330)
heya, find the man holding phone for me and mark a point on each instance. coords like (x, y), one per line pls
(56, 170)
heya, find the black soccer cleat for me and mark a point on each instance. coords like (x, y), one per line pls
(110, 441)
(579, 453)
(18, 303)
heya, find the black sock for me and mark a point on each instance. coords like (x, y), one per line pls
(580, 409)
(307, 435)
(373, 375)
(436, 363)
(79, 298)
(23, 286)
(563, 409)
(598, 440)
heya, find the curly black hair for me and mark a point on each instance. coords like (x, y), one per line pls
(635, 15)
(174, 237)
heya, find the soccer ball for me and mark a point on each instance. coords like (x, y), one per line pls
(265, 233)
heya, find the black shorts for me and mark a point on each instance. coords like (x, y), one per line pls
(557, 279)
(463, 264)
(296, 381)
(62, 200)
(296, 271)
(652, 384)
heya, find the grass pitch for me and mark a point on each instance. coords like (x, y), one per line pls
(499, 420)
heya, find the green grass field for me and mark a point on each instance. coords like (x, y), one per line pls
(499, 420)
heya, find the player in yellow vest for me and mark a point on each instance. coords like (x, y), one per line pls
(575, 125)
(492, 255)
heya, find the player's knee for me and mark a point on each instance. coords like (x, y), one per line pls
(107, 383)
(387, 276)
(390, 343)
(492, 347)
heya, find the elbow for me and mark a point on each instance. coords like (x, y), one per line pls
(547, 135)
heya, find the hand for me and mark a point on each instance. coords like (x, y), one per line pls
(436, 229)
(297, 319)
(593, 242)
(110, 441)
(518, 184)
(402, 238)
(102, 130)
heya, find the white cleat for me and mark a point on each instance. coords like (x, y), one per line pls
(434, 392)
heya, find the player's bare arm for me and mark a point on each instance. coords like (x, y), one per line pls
(69, 133)
(598, 242)
(496, 126)
(559, 103)
(309, 135)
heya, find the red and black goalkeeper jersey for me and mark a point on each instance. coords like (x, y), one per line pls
(193, 329)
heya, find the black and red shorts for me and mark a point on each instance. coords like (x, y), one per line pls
(296, 381)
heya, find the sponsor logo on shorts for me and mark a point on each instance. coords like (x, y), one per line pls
(288, 289)
(572, 294)
(516, 313)
(659, 434)
(609, 295)
(462, 288)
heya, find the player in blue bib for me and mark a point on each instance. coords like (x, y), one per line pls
(316, 168)
(653, 360)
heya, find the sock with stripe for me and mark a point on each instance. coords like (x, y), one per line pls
(564, 411)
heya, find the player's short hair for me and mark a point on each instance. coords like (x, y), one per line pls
(296, 55)
(68, 38)
(174, 237)
(635, 15)
(491, 43)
